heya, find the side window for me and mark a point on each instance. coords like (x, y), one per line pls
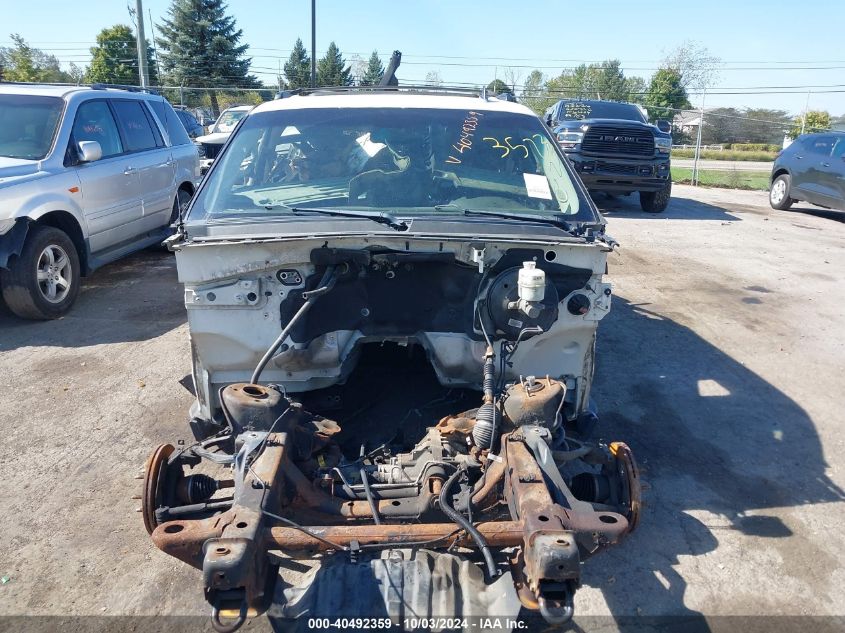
(167, 115)
(820, 145)
(135, 126)
(94, 122)
(839, 149)
(154, 126)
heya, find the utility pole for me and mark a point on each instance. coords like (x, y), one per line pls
(695, 174)
(155, 50)
(313, 43)
(142, 45)
(804, 118)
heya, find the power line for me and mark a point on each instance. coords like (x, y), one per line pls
(480, 58)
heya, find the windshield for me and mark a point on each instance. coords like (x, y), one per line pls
(402, 160)
(28, 125)
(580, 110)
(228, 120)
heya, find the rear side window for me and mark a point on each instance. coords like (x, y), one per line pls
(821, 145)
(94, 122)
(135, 126)
(167, 115)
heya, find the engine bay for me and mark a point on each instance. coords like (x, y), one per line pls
(411, 397)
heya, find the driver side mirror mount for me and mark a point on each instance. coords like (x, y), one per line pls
(89, 151)
(664, 126)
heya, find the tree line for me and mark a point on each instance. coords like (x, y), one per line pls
(198, 46)
(688, 68)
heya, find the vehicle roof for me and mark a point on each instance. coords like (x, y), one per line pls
(396, 99)
(48, 90)
(571, 100)
(823, 133)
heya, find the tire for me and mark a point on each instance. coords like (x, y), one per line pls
(47, 252)
(656, 201)
(179, 203)
(779, 193)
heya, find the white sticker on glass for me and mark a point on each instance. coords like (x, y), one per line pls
(537, 186)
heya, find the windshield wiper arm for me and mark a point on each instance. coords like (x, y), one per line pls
(376, 216)
(515, 215)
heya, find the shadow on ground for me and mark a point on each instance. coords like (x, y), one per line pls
(134, 299)
(679, 209)
(713, 438)
(827, 214)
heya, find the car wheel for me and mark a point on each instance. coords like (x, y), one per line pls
(779, 193)
(43, 281)
(179, 204)
(656, 201)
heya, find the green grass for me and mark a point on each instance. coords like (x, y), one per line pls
(728, 178)
(713, 154)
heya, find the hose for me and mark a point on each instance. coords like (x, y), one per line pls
(369, 493)
(326, 284)
(458, 518)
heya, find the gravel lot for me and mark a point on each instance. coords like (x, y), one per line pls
(721, 364)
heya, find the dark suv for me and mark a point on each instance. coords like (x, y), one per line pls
(615, 149)
(812, 169)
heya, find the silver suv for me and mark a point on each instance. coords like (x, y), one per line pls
(87, 175)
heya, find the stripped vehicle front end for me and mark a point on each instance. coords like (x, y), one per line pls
(392, 372)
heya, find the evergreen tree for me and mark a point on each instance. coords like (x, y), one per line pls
(375, 71)
(114, 60)
(332, 70)
(298, 67)
(199, 46)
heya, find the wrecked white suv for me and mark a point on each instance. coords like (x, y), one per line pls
(392, 299)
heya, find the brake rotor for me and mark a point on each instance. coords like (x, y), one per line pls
(155, 475)
(631, 476)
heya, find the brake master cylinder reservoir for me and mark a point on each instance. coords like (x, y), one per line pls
(531, 284)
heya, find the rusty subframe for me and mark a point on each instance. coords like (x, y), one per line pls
(231, 548)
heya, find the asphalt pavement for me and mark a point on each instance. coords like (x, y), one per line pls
(720, 364)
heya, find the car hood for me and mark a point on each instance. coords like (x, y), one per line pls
(218, 138)
(14, 170)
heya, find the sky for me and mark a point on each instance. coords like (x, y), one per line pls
(764, 45)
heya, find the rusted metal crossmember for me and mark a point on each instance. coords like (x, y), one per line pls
(554, 529)
(187, 543)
